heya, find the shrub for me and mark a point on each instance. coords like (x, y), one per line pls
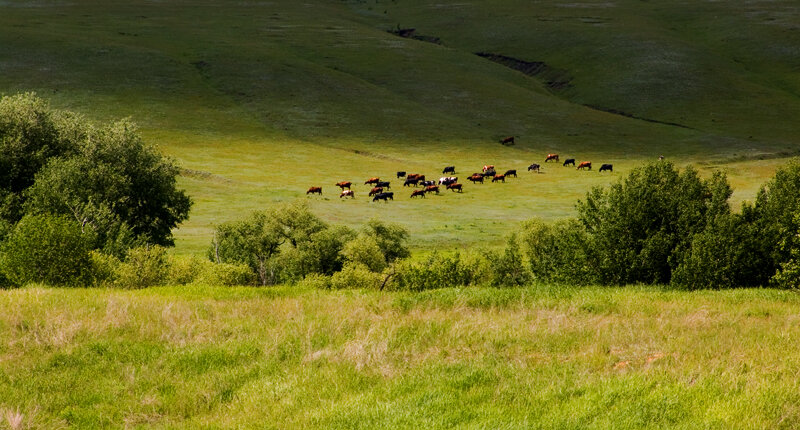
(317, 281)
(364, 250)
(508, 269)
(354, 275)
(225, 274)
(559, 252)
(441, 271)
(390, 238)
(145, 266)
(104, 269)
(47, 249)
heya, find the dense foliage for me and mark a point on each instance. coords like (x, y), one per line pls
(102, 181)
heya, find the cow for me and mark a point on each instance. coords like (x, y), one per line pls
(608, 167)
(535, 167)
(660, 157)
(413, 176)
(344, 184)
(314, 190)
(491, 172)
(376, 190)
(427, 183)
(569, 161)
(447, 180)
(488, 167)
(449, 169)
(551, 157)
(508, 140)
(454, 187)
(496, 178)
(511, 172)
(401, 174)
(418, 193)
(384, 184)
(432, 189)
(372, 181)
(585, 164)
(410, 181)
(476, 178)
(383, 196)
(347, 193)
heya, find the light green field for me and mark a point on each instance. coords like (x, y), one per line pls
(260, 100)
(539, 357)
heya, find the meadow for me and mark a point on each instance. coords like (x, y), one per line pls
(259, 101)
(537, 357)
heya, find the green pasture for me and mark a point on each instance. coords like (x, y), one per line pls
(538, 357)
(260, 100)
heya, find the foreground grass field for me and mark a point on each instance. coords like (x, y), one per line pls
(541, 357)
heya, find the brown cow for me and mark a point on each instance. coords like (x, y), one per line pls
(488, 167)
(432, 189)
(549, 157)
(418, 193)
(413, 176)
(499, 178)
(314, 190)
(508, 140)
(347, 193)
(477, 177)
(455, 187)
(372, 181)
(585, 164)
(376, 190)
(344, 184)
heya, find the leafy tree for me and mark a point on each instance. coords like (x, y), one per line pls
(117, 185)
(642, 225)
(31, 133)
(252, 241)
(390, 238)
(774, 217)
(508, 268)
(47, 249)
(364, 249)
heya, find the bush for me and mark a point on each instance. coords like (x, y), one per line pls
(145, 266)
(390, 238)
(104, 269)
(508, 269)
(225, 274)
(354, 275)
(364, 250)
(317, 281)
(558, 253)
(48, 249)
(441, 271)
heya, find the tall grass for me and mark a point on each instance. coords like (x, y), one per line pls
(542, 357)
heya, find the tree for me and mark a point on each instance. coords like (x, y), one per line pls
(252, 241)
(390, 238)
(116, 184)
(642, 225)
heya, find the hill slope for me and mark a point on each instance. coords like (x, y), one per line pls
(259, 100)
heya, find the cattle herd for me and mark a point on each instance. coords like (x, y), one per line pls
(379, 189)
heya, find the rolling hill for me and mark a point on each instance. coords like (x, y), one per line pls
(260, 100)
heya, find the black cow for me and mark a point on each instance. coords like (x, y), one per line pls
(489, 173)
(401, 174)
(408, 182)
(383, 196)
(510, 173)
(535, 167)
(608, 167)
(384, 184)
(449, 169)
(569, 161)
(427, 183)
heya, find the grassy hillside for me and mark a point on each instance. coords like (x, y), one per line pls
(259, 101)
(283, 358)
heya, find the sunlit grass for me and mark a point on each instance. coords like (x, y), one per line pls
(541, 357)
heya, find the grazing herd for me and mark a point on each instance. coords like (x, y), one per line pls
(378, 190)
